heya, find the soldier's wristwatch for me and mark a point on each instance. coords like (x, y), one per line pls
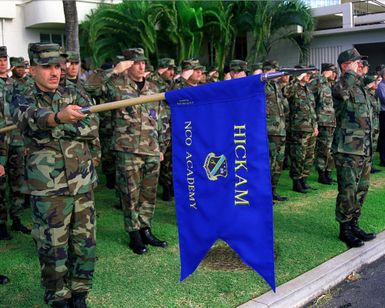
(56, 118)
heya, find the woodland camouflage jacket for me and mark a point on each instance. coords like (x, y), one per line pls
(59, 161)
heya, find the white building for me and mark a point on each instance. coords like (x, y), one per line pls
(26, 21)
(359, 24)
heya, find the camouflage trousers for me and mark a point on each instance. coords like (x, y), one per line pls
(16, 185)
(277, 155)
(64, 232)
(108, 155)
(353, 173)
(137, 180)
(165, 177)
(301, 154)
(324, 159)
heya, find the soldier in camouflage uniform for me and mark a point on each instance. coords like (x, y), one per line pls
(371, 84)
(191, 74)
(60, 178)
(303, 130)
(213, 75)
(139, 141)
(164, 80)
(326, 122)
(238, 69)
(6, 84)
(73, 80)
(256, 68)
(277, 110)
(17, 151)
(284, 83)
(19, 74)
(164, 76)
(72, 67)
(94, 86)
(352, 147)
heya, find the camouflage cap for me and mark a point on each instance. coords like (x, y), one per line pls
(365, 63)
(328, 67)
(238, 65)
(350, 55)
(270, 64)
(17, 61)
(214, 69)
(256, 66)
(167, 62)
(3, 52)
(134, 54)
(72, 56)
(44, 53)
(191, 64)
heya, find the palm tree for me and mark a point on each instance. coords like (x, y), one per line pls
(71, 25)
(180, 25)
(181, 22)
(219, 27)
(112, 28)
(273, 21)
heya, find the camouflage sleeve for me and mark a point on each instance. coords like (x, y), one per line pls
(346, 83)
(110, 91)
(95, 149)
(86, 129)
(164, 128)
(3, 123)
(27, 116)
(3, 149)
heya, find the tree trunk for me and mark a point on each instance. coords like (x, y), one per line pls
(71, 25)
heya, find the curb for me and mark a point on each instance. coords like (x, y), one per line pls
(304, 288)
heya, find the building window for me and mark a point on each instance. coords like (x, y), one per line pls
(53, 38)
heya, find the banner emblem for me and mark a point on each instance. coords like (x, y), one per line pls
(215, 166)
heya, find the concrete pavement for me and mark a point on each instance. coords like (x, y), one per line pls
(309, 285)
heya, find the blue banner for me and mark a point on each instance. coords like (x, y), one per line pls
(221, 172)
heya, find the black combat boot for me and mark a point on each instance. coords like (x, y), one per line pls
(358, 232)
(4, 279)
(166, 193)
(18, 226)
(4, 235)
(61, 304)
(297, 186)
(136, 243)
(78, 300)
(322, 178)
(347, 236)
(277, 197)
(305, 185)
(150, 239)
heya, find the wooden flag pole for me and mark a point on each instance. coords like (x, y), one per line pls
(125, 103)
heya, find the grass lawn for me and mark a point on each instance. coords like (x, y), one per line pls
(305, 236)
